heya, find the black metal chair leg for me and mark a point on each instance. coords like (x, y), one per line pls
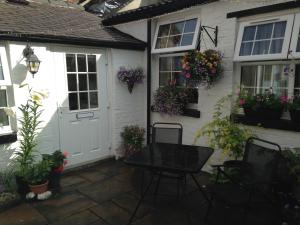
(140, 200)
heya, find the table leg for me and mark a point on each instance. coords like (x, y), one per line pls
(200, 188)
(141, 199)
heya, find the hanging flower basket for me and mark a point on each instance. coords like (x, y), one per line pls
(202, 67)
(130, 77)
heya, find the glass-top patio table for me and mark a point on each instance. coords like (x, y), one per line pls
(174, 158)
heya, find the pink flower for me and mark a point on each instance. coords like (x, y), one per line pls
(242, 102)
(188, 75)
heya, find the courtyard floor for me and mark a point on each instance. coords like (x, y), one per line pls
(107, 193)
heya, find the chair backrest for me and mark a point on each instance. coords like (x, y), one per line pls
(263, 157)
(170, 133)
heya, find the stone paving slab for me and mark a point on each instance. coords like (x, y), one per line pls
(23, 214)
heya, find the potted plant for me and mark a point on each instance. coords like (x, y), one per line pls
(262, 107)
(294, 108)
(223, 133)
(133, 138)
(130, 77)
(58, 161)
(28, 131)
(37, 176)
(202, 67)
(170, 99)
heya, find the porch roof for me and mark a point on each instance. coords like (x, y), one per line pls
(52, 24)
(153, 10)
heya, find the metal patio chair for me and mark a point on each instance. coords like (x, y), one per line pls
(254, 182)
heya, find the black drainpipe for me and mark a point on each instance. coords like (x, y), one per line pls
(149, 81)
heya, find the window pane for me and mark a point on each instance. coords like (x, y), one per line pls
(82, 82)
(246, 48)
(279, 29)
(92, 63)
(93, 81)
(83, 98)
(81, 63)
(73, 101)
(165, 64)
(164, 78)
(249, 33)
(71, 63)
(93, 99)
(164, 30)
(161, 43)
(187, 39)
(4, 121)
(72, 82)
(3, 99)
(276, 46)
(249, 76)
(180, 79)
(190, 26)
(261, 47)
(177, 63)
(174, 41)
(176, 28)
(264, 31)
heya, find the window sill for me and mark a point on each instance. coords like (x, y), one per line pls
(281, 124)
(8, 138)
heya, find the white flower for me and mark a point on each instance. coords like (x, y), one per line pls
(44, 195)
(30, 195)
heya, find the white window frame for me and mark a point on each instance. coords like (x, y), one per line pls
(291, 80)
(178, 48)
(5, 67)
(285, 45)
(295, 37)
(164, 56)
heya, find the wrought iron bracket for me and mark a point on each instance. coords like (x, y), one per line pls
(214, 37)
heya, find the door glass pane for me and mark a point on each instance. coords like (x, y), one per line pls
(81, 63)
(176, 28)
(279, 29)
(83, 98)
(246, 48)
(82, 82)
(276, 46)
(190, 26)
(264, 31)
(261, 47)
(3, 99)
(164, 30)
(165, 64)
(4, 121)
(187, 39)
(92, 63)
(164, 78)
(93, 99)
(71, 63)
(249, 33)
(73, 101)
(93, 81)
(72, 82)
(174, 41)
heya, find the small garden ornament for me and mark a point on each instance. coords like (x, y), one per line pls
(130, 77)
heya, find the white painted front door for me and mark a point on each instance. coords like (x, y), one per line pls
(84, 121)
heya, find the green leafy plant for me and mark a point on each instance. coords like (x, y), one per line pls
(37, 173)
(133, 138)
(223, 133)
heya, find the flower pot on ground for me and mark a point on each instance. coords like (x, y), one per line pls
(294, 108)
(133, 138)
(58, 161)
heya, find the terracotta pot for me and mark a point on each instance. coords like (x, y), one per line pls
(40, 188)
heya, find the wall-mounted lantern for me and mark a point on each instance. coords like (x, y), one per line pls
(32, 61)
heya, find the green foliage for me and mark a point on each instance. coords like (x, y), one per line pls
(223, 133)
(293, 156)
(37, 173)
(133, 138)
